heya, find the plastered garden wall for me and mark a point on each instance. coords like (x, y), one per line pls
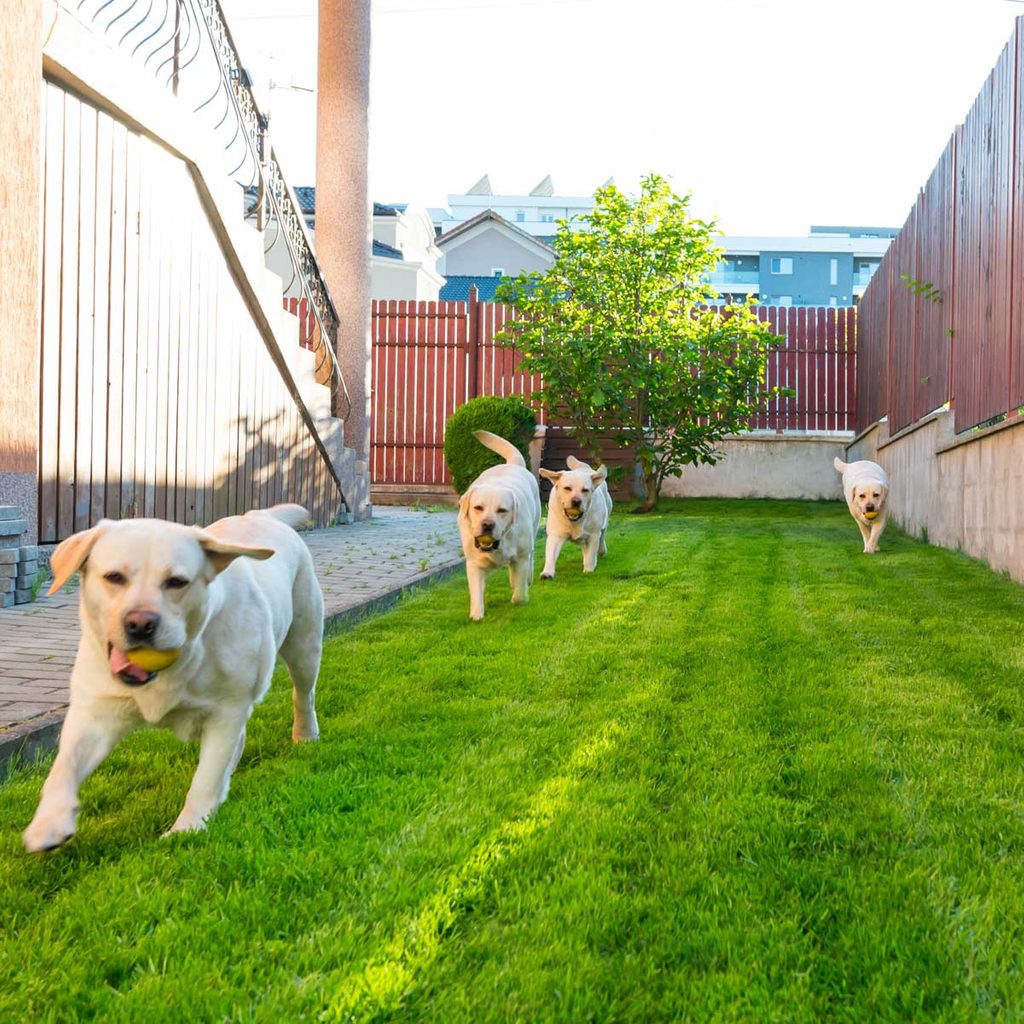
(960, 490)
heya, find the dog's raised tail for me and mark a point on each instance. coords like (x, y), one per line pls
(839, 464)
(506, 449)
(292, 515)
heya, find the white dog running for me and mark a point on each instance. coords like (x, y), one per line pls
(180, 632)
(578, 511)
(865, 487)
(498, 521)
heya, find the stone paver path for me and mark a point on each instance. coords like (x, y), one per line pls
(355, 564)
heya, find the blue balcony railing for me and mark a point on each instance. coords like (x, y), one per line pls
(726, 277)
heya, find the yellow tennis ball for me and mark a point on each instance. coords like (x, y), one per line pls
(870, 515)
(151, 659)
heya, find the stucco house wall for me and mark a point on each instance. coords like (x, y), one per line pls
(491, 249)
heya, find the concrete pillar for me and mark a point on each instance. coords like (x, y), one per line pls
(342, 205)
(20, 190)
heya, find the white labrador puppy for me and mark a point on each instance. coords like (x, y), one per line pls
(498, 521)
(180, 632)
(578, 511)
(865, 487)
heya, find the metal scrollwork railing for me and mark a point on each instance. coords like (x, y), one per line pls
(188, 46)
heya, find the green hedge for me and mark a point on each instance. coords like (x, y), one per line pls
(466, 458)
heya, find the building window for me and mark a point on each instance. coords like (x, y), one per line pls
(833, 301)
(520, 216)
(785, 300)
(833, 271)
(782, 265)
(547, 218)
(497, 271)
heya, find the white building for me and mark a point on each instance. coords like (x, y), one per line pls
(536, 213)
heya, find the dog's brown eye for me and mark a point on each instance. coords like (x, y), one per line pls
(175, 582)
(502, 511)
(117, 578)
(586, 490)
(478, 508)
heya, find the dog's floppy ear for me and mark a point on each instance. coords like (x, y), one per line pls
(69, 555)
(599, 475)
(464, 504)
(884, 488)
(550, 474)
(220, 554)
(573, 463)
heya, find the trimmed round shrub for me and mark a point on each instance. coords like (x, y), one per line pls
(465, 457)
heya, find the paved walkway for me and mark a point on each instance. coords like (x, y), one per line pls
(357, 565)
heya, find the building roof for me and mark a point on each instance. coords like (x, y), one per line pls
(387, 251)
(483, 218)
(752, 244)
(456, 287)
(306, 195)
(854, 232)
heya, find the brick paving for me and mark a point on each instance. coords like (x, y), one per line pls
(356, 564)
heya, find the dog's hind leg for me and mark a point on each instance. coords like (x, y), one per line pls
(301, 653)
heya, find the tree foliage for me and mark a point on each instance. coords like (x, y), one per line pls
(621, 330)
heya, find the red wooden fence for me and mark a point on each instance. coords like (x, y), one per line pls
(430, 357)
(965, 237)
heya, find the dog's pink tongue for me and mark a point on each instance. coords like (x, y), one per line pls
(121, 666)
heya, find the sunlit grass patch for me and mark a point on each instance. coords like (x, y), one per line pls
(741, 772)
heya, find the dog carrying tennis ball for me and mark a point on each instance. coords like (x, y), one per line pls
(151, 659)
(870, 515)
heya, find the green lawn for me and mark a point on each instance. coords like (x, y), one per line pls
(741, 773)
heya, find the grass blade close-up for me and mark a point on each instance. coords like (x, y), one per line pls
(742, 772)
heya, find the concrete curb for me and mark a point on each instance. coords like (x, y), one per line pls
(30, 741)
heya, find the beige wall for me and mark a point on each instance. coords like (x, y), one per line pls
(961, 490)
(21, 60)
(765, 466)
(488, 249)
(161, 394)
(403, 279)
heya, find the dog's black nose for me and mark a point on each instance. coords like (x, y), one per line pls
(576, 502)
(869, 508)
(487, 526)
(141, 625)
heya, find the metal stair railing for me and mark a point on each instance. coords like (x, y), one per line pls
(189, 48)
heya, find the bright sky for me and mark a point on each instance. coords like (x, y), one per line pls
(776, 114)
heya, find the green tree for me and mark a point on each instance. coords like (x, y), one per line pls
(621, 331)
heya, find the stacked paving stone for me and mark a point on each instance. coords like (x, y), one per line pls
(19, 563)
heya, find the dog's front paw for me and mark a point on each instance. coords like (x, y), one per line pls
(547, 575)
(188, 821)
(49, 830)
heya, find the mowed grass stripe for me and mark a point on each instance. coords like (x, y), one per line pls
(741, 773)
